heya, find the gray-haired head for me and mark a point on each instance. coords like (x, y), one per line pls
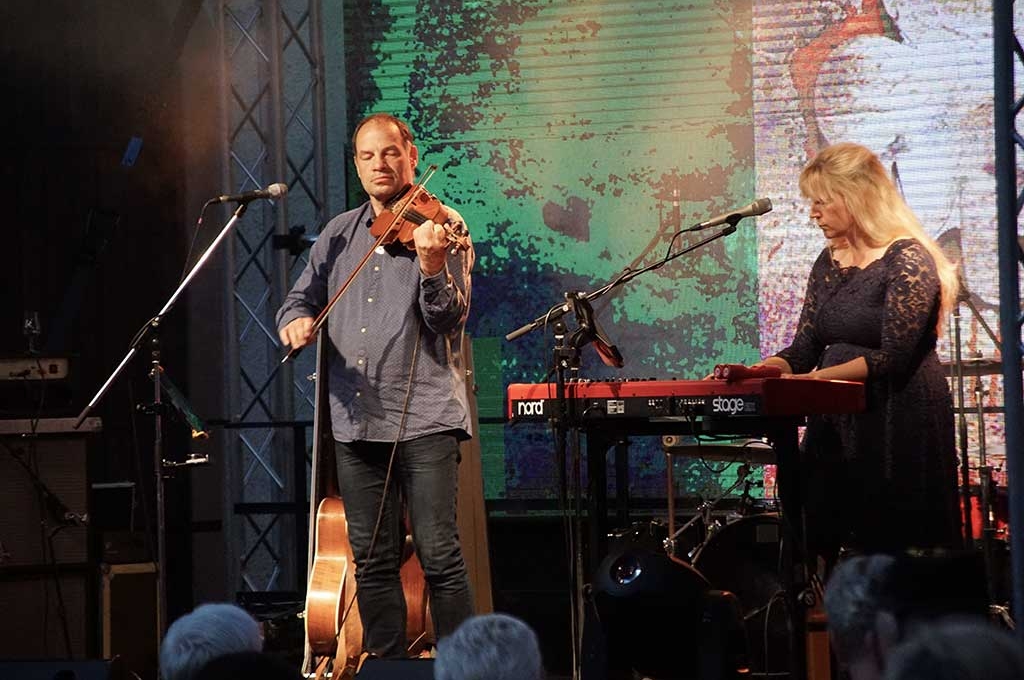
(490, 647)
(857, 591)
(957, 649)
(209, 631)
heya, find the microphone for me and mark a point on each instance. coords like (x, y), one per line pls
(758, 207)
(273, 191)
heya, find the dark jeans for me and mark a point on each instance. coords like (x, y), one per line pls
(425, 473)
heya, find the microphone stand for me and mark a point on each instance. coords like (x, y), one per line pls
(151, 329)
(565, 418)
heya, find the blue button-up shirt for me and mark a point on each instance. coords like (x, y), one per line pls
(373, 331)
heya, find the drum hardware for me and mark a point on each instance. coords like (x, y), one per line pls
(647, 535)
(713, 528)
(976, 366)
(703, 510)
(746, 506)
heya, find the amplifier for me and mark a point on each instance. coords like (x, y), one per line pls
(29, 384)
(34, 368)
(44, 484)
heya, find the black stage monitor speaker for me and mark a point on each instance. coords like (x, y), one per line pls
(397, 669)
(61, 670)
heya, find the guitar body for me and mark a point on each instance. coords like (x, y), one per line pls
(333, 574)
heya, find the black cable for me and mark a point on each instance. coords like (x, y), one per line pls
(61, 609)
(195, 237)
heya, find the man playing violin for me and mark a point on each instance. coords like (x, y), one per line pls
(397, 386)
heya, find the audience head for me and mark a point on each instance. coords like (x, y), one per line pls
(489, 647)
(209, 631)
(875, 601)
(957, 649)
(248, 665)
(861, 623)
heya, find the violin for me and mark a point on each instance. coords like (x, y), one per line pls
(410, 208)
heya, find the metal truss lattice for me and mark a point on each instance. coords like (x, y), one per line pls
(274, 127)
(1008, 104)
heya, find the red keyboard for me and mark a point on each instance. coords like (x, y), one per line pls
(646, 399)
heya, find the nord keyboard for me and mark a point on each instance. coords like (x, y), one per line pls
(653, 399)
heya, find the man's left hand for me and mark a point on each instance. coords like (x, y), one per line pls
(431, 246)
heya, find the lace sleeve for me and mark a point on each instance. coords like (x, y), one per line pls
(911, 310)
(803, 353)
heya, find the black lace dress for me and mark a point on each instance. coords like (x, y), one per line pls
(884, 479)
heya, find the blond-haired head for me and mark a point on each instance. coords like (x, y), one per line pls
(854, 174)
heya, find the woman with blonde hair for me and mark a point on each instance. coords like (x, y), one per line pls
(883, 480)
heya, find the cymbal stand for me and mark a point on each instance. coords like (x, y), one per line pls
(985, 477)
(986, 482)
(965, 467)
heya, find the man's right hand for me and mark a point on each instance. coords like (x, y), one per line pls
(297, 333)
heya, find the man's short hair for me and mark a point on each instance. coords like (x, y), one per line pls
(403, 129)
(209, 631)
(489, 647)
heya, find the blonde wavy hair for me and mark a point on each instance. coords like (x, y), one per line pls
(855, 174)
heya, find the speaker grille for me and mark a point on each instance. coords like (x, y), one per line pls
(61, 465)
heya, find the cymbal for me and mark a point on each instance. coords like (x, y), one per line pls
(977, 366)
